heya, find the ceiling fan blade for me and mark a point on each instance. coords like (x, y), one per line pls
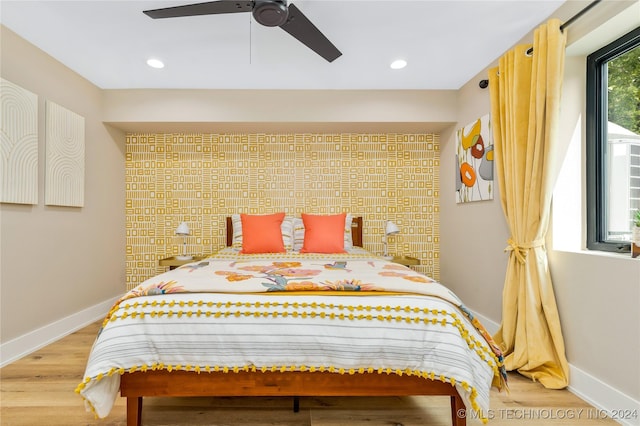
(208, 8)
(308, 34)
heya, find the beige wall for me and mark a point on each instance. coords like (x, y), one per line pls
(57, 261)
(597, 294)
(472, 235)
(416, 111)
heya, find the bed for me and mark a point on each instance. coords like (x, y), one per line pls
(291, 324)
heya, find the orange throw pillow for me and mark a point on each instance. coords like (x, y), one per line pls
(323, 233)
(262, 233)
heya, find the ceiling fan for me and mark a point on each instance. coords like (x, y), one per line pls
(270, 13)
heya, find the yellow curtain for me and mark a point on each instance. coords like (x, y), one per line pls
(525, 101)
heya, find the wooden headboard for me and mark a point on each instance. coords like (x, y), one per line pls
(356, 231)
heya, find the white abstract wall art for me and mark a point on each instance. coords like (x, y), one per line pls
(18, 144)
(64, 177)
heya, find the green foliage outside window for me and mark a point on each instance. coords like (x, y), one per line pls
(624, 90)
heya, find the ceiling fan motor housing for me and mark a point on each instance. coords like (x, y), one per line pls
(270, 13)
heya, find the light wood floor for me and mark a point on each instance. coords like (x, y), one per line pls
(39, 390)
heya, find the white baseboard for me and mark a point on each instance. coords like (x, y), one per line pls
(24, 345)
(607, 400)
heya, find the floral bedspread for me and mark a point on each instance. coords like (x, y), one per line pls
(257, 276)
(282, 314)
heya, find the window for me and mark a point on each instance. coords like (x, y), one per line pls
(613, 143)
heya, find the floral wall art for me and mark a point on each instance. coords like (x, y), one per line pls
(474, 161)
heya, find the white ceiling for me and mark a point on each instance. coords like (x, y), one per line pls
(445, 43)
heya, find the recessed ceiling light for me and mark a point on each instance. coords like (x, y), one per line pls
(398, 64)
(155, 63)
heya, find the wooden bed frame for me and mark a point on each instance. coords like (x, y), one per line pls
(135, 386)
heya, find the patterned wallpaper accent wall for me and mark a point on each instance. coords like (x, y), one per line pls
(202, 178)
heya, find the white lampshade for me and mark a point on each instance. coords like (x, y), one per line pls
(391, 228)
(183, 229)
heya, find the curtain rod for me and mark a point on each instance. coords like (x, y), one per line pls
(579, 14)
(485, 83)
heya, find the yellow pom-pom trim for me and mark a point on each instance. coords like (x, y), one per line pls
(407, 314)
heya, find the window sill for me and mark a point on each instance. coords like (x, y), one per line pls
(598, 253)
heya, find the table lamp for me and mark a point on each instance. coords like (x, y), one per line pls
(390, 229)
(183, 230)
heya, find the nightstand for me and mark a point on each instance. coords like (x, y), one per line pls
(173, 263)
(405, 260)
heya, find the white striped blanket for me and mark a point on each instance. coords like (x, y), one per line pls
(338, 314)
